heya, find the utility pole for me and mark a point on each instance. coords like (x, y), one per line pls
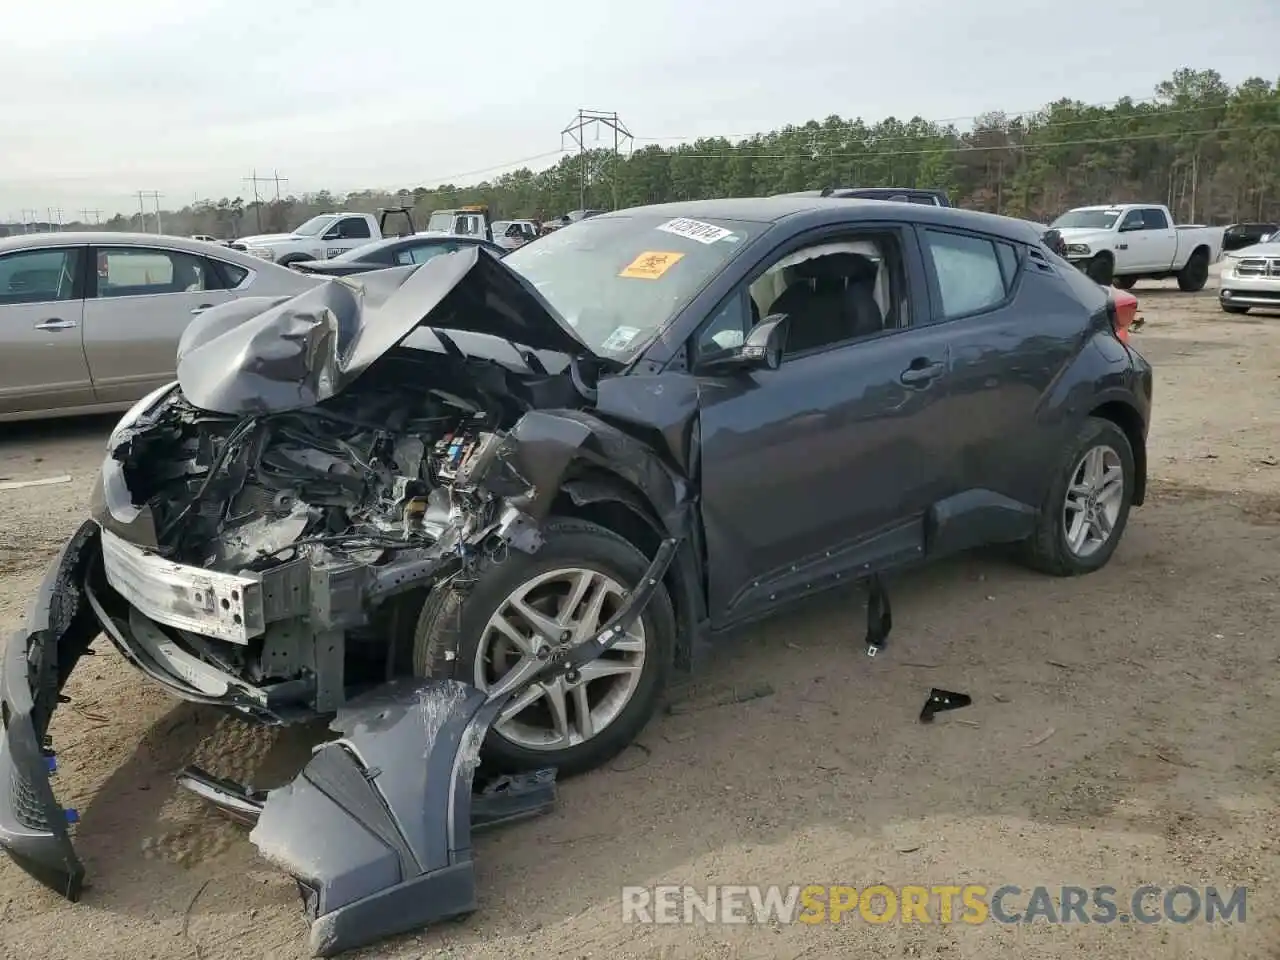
(52, 211)
(28, 215)
(257, 198)
(575, 131)
(96, 215)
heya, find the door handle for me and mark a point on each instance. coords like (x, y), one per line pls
(201, 309)
(56, 323)
(922, 371)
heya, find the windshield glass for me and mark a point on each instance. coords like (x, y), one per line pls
(315, 226)
(617, 280)
(1090, 219)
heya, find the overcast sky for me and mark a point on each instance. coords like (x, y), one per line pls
(108, 97)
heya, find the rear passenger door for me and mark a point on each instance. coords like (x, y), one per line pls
(140, 301)
(1011, 328)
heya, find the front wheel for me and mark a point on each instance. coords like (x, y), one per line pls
(518, 604)
(1087, 506)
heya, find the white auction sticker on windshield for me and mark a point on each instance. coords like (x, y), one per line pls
(695, 230)
(620, 339)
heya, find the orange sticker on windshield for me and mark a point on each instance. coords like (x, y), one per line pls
(650, 265)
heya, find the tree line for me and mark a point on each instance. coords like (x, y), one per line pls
(1209, 150)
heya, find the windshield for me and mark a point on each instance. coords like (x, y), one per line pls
(315, 226)
(618, 280)
(1090, 219)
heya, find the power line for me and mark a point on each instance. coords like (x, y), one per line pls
(1033, 127)
(872, 153)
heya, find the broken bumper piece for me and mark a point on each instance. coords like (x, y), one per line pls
(36, 663)
(393, 797)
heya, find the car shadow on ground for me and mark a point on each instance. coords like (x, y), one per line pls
(832, 756)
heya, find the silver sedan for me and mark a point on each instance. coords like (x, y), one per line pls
(90, 322)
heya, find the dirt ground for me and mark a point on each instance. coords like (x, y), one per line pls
(1122, 732)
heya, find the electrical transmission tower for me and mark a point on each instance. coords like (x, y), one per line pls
(576, 132)
(257, 199)
(142, 210)
(97, 214)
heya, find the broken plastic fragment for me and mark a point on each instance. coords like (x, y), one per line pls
(940, 700)
(73, 816)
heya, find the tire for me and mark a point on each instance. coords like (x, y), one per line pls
(1100, 269)
(1049, 550)
(1231, 308)
(1194, 273)
(1123, 283)
(454, 625)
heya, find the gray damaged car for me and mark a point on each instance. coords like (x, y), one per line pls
(489, 504)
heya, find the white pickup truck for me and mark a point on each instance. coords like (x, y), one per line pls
(1123, 243)
(323, 236)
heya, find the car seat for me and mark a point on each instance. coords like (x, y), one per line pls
(833, 299)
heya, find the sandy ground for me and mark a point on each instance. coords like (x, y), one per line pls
(1122, 732)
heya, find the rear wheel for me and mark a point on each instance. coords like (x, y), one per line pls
(1232, 308)
(1101, 269)
(1194, 273)
(1124, 283)
(1087, 506)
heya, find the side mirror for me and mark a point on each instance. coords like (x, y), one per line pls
(762, 350)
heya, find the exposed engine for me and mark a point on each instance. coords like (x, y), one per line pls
(372, 472)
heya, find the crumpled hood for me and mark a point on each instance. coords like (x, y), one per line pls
(266, 238)
(268, 355)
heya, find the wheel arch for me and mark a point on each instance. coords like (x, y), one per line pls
(577, 465)
(1127, 418)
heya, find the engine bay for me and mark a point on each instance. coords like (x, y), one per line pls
(370, 472)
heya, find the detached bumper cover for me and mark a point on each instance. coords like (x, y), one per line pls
(36, 663)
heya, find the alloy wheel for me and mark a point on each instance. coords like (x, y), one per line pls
(570, 603)
(1095, 494)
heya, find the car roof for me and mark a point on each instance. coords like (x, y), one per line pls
(820, 211)
(199, 248)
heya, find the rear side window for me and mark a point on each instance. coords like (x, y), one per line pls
(140, 272)
(38, 276)
(354, 228)
(974, 273)
(233, 275)
(1153, 218)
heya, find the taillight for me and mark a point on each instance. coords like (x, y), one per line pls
(1124, 311)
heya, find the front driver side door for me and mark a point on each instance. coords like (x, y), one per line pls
(42, 363)
(822, 469)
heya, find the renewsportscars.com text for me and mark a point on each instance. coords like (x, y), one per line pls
(959, 903)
